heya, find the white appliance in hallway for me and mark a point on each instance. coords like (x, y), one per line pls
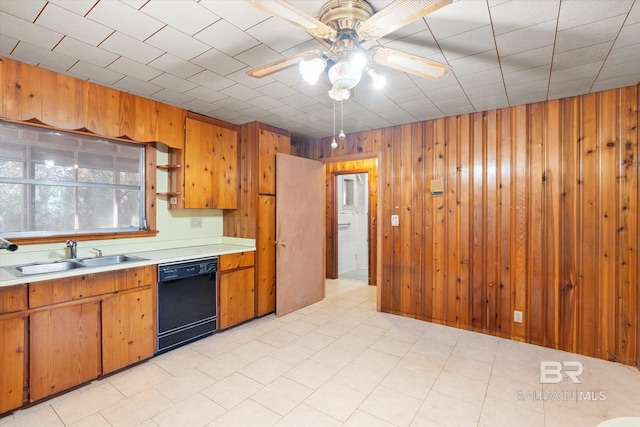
(353, 235)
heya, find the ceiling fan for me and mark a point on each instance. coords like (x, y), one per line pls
(345, 25)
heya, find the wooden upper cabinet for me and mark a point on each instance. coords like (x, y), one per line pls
(68, 103)
(211, 166)
(270, 143)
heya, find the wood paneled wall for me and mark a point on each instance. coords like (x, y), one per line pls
(540, 214)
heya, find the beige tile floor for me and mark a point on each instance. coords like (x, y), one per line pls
(339, 362)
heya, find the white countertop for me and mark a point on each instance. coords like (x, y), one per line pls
(151, 258)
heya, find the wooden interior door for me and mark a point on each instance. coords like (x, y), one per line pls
(300, 216)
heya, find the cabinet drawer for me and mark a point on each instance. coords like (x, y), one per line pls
(71, 288)
(234, 261)
(13, 298)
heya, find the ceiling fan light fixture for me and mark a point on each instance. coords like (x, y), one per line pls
(339, 94)
(379, 81)
(358, 60)
(311, 69)
(343, 75)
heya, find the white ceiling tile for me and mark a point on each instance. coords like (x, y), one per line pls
(616, 82)
(276, 90)
(527, 76)
(468, 43)
(458, 17)
(206, 94)
(233, 104)
(285, 111)
(174, 83)
(259, 55)
(623, 55)
(421, 44)
(270, 33)
(239, 13)
(574, 13)
(241, 77)
(135, 69)
(169, 96)
(475, 63)
(527, 59)
(528, 88)
(628, 35)
(215, 60)
(177, 43)
(136, 86)
(515, 15)
(31, 33)
(125, 19)
(135, 3)
(52, 60)
(417, 26)
(574, 87)
(589, 35)
(634, 14)
(131, 48)
(186, 16)
(64, 21)
(480, 79)
(265, 102)
(80, 7)
(620, 70)
(7, 44)
(211, 80)
(586, 55)
(256, 112)
(407, 95)
(584, 71)
(240, 92)
(27, 10)
(197, 105)
(492, 102)
(298, 100)
(85, 52)
(95, 74)
(525, 39)
(227, 38)
(455, 110)
(176, 66)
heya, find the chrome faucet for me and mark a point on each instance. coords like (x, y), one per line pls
(73, 249)
(5, 244)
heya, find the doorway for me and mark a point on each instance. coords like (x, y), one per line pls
(352, 198)
(368, 208)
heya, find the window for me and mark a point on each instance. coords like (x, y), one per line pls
(58, 183)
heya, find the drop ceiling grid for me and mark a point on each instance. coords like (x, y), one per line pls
(195, 54)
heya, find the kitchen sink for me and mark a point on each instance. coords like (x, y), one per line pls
(108, 260)
(50, 267)
(69, 264)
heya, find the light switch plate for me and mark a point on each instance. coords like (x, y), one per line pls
(395, 220)
(196, 222)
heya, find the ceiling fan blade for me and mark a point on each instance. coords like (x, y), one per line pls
(283, 64)
(397, 15)
(284, 10)
(408, 63)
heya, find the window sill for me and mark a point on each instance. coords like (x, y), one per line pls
(82, 237)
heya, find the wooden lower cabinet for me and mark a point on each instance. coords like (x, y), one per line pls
(64, 348)
(236, 282)
(128, 329)
(12, 363)
(57, 334)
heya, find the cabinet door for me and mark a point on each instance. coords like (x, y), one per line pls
(12, 363)
(270, 143)
(128, 329)
(64, 348)
(211, 166)
(236, 296)
(266, 255)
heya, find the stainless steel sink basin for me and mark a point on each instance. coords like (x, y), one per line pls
(50, 267)
(69, 264)
(109, 260)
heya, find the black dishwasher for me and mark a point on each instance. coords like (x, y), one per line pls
(187, 302)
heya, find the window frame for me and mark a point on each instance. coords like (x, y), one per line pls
(147, 186)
